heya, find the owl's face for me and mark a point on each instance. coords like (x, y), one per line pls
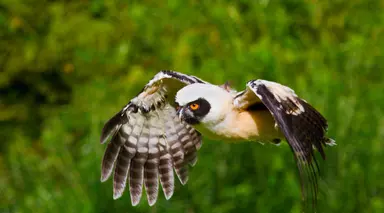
(202, 104)
(194, 111)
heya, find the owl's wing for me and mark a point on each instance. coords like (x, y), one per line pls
(303, 126)
(149, 140)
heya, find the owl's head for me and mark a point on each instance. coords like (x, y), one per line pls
(202, 103)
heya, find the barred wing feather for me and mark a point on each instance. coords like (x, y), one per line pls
(303, 126)
(148, 141)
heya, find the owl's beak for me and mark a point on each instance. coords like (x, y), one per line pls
(186, 115)
(179, 111)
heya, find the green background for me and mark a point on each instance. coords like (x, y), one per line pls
(67, 66)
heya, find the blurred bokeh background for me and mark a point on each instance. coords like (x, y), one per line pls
(67, 66)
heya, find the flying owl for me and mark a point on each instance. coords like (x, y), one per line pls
(160, 130)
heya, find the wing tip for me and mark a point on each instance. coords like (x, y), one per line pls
(105, 135)
(184, 180)
(117, 194)
(135, 192)
(109, 129)
(105, 175)
(193, 161)
(330, 142)
(151, 203)
(103, 139)
(103, 178)
(168, 191)
(135, 199)
(168, 194)
(152, 199)
(114, 123)
(118, 189)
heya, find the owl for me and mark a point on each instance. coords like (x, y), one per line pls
(158, 133)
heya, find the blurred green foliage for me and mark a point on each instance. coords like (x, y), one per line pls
(67, 66)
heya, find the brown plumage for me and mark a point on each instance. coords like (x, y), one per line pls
(150, 139)
(148, 142)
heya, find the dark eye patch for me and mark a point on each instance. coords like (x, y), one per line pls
(204, 107)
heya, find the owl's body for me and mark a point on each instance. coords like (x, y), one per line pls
(242, 125)
(256, 126)
(160, 130)
(226, 121)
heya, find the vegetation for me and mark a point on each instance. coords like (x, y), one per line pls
(68, 66)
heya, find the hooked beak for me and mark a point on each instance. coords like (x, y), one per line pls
(179, 111)
(186, 115)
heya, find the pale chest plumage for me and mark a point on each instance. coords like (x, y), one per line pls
(242, 126)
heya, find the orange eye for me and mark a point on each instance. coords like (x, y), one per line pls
(194, 106)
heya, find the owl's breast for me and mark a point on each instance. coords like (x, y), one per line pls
(242, 126)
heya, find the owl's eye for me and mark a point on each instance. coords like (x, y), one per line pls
(194, 106)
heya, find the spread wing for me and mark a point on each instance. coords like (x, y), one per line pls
(148, 141)
(303, 126)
